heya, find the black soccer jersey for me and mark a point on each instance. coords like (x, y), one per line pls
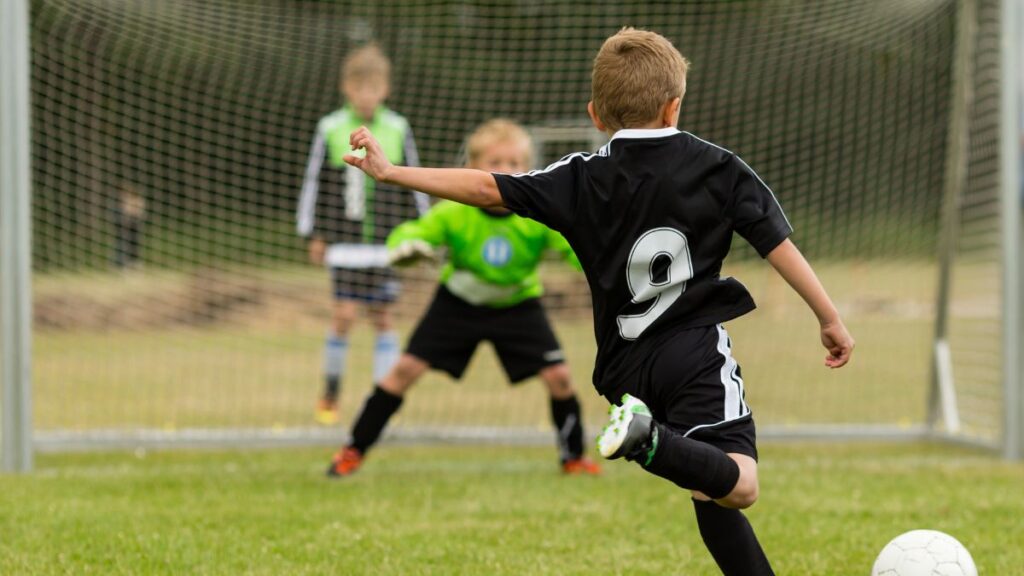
(651, 217)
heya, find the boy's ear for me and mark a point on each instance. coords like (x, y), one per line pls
(670, 112)
(593, 117)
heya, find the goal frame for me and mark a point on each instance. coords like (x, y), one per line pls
(942, 403)
(15, 240)
(942, 421)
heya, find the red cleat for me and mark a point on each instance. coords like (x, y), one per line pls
(345, 463)
(584, 466)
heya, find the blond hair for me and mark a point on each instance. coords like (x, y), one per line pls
(635, 74)
(366, 63)
(496, 131)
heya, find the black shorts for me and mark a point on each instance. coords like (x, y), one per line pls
(450, 331)
(370, 285)
(693, 385)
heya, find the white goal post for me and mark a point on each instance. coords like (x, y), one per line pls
(1012, 154)
(15, 241)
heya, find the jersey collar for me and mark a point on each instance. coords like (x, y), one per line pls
(637, 133)
(645, 132)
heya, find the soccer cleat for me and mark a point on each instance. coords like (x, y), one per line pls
(581, 466)
(630, 432)
(327, 411)
(345, 463)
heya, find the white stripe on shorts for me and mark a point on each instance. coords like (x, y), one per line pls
(735, 406)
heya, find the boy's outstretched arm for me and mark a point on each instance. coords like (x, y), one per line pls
(791, 265)
(473, 187)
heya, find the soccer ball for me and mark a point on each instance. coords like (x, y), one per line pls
(924, 553)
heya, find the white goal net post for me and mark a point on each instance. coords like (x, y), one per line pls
(874, 122)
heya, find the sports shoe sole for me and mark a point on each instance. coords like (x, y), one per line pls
(628, 425)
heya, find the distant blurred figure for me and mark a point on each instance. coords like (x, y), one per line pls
(346, 218)
(129, 214)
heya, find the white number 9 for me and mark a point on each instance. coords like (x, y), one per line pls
(666, 243)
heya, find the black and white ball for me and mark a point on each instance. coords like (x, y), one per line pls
(924, 553)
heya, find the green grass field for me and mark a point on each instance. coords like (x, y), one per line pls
(825, 510)
(138, 350)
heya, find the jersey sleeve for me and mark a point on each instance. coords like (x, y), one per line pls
(559, 244)
(432, 228)
(308, 198)
(755, 213)
(548, 196)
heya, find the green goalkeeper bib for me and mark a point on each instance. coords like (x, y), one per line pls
(492, 259)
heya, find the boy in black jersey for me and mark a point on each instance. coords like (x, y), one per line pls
(651, 217)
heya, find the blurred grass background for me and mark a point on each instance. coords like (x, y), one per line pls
(144, 352)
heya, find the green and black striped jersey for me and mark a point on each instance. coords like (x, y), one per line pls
(344, 208)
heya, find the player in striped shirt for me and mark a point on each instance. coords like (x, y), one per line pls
(346, 217)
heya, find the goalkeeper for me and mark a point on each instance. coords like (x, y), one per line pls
(489, 290)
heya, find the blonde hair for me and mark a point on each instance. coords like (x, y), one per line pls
(494, 131)
(635, 74)
(366, 63)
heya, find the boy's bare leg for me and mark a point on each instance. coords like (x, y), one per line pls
(745, 493)
(403, 375)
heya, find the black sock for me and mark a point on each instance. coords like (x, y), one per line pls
(568, 427)
(731, 540)
(332, 388)
(692, 464)
(380, 405)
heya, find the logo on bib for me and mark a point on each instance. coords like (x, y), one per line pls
(497, 251)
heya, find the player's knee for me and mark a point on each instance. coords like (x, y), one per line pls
(403, 375)
(743, 495)
(746, 491)
(342, 318)
(558, 380)
(381, 319)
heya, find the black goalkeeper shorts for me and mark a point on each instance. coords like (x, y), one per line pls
(693, 385)
(450, 331)
(369, 285)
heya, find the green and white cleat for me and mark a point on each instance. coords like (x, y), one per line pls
(630, 432)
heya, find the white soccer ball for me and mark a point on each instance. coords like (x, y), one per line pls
(924, 553)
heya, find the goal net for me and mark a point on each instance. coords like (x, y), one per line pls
(174, 300)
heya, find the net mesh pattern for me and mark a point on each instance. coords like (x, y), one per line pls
(171, 139)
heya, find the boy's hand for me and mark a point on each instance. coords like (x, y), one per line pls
(839, 343)
(317, 247)
(375, 163)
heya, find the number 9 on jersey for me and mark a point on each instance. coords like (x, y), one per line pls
(647, 281)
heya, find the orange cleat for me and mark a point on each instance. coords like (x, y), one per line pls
(345, 463)
(584, 466)
(327, 411)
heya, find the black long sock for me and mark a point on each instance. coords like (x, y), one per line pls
(380, 405)
(565, 414)
(731, 540)
(332, 387)
(692, 464)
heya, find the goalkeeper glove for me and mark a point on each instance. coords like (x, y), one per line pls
(410, 252)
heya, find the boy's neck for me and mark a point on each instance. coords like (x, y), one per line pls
(655, 125)
(367, 120)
